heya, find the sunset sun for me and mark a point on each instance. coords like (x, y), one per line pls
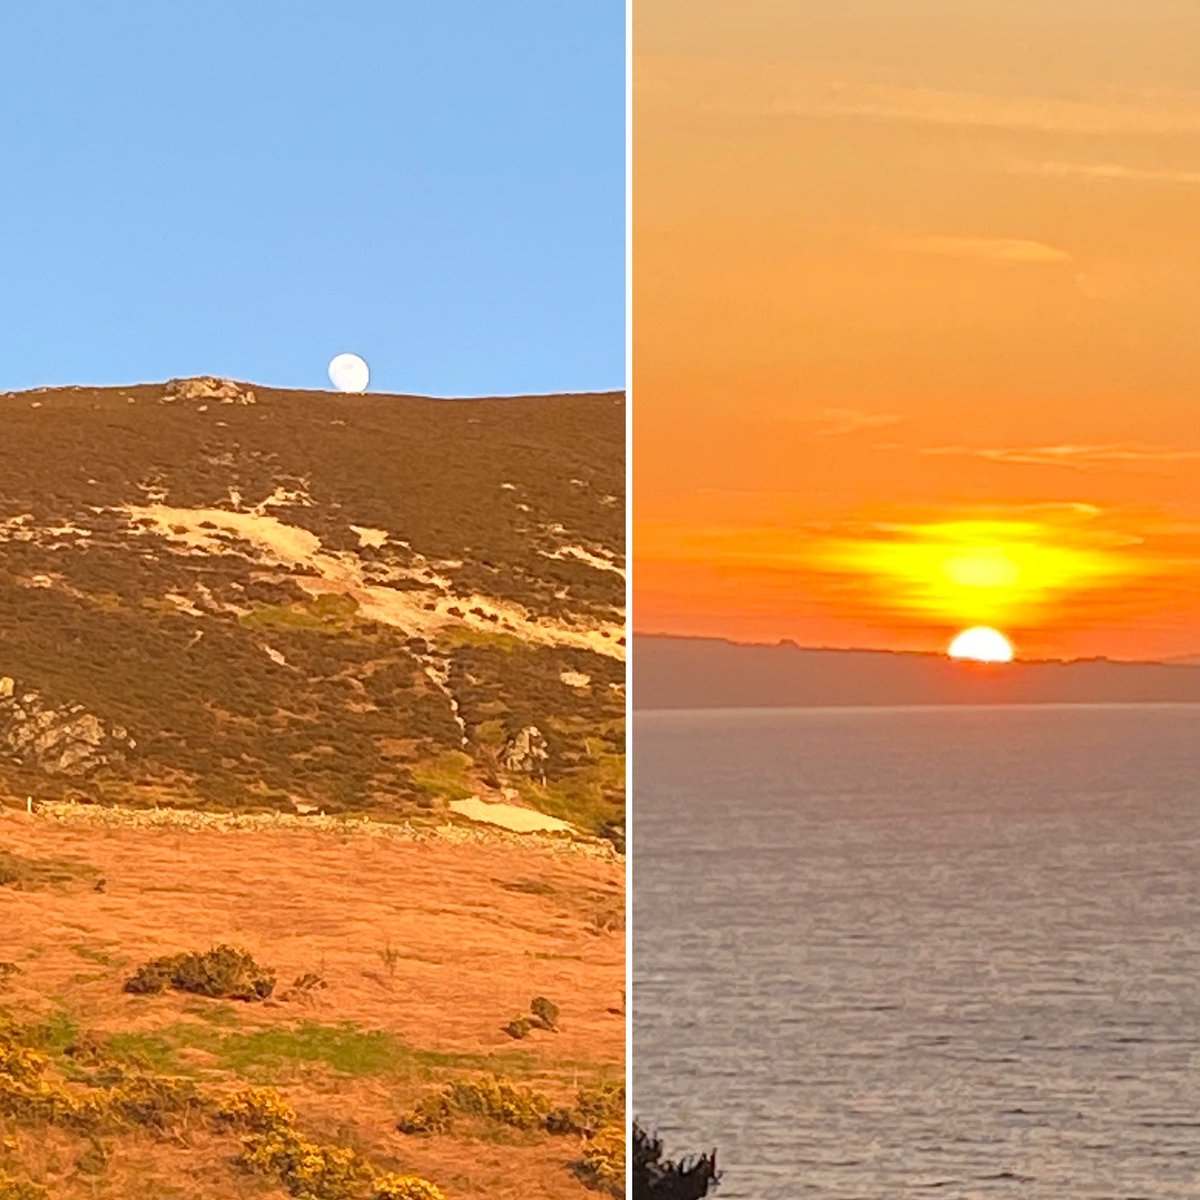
(981, 644)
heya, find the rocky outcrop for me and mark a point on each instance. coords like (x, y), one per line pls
(65, 740)
(525, 753)
(208, 389)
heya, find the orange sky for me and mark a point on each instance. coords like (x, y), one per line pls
(917, 322)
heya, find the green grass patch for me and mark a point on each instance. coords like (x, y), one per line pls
(322, 614)
(457, 636)
(55, 1034)
(29, 874)
(224, 1015)
(448, 776)
(153, 1050)
(269, 1055)
(585, 798)
(97, 956)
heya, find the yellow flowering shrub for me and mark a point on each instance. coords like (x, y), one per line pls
(17, 1189)
(493, 1099)
(600, 1105)
(31, 1093)
(306, 1169)
(405, 1187)
(603, 1162)
(256, 1110)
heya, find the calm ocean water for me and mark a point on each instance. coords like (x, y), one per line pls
(898, 953)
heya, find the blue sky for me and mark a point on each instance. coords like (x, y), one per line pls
(247, 188)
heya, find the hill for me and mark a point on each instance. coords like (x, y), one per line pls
(680, 672)
(216, 594)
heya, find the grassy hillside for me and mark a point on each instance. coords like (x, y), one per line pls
(284, 599)
(377, 1067)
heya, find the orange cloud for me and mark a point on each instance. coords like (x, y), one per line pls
(1078, 457)
(1117, 172)
(975, 571)
(1035, 568)
(837, 422)
(815, 90)
(990, 249)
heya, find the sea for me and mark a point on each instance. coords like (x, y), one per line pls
(921, 952)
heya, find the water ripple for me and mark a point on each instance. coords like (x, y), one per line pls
(893, 954)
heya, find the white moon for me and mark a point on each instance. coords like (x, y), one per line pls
(349, 373)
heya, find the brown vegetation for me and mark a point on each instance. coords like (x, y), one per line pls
(241, 682)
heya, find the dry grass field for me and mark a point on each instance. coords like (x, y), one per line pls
(423, 951)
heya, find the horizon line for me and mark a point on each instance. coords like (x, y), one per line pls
(331, 391)
(791, 643)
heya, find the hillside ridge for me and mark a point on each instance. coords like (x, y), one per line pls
(297, 598)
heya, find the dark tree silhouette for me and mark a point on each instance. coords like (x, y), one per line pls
(656, 1178)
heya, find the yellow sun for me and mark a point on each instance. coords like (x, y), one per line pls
(982, 644)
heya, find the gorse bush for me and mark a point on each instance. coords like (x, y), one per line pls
(493, 1099)
(30, 1092)
(220, 973)
(18, 1189)
(602, 1165)
(504, 1103)
(272, 1143)
(404, 1187)
(256, 1110)
(600, 1105)
(306, 1169)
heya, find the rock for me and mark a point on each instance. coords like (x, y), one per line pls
(208, 388)
(64, 740)
(526, 753)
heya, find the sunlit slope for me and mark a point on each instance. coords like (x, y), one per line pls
(284, 599)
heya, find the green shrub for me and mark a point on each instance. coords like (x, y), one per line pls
(545, 1012)
(518, 1027)
(222, 972)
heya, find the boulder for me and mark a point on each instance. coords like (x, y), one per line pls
(525, 753)
(59, 740)
(209, 389)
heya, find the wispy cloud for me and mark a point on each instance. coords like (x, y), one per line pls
(1103, 111)
(989, 249)
(1078, 457)
(1116, 172)
(833, 90)
(837, 422)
